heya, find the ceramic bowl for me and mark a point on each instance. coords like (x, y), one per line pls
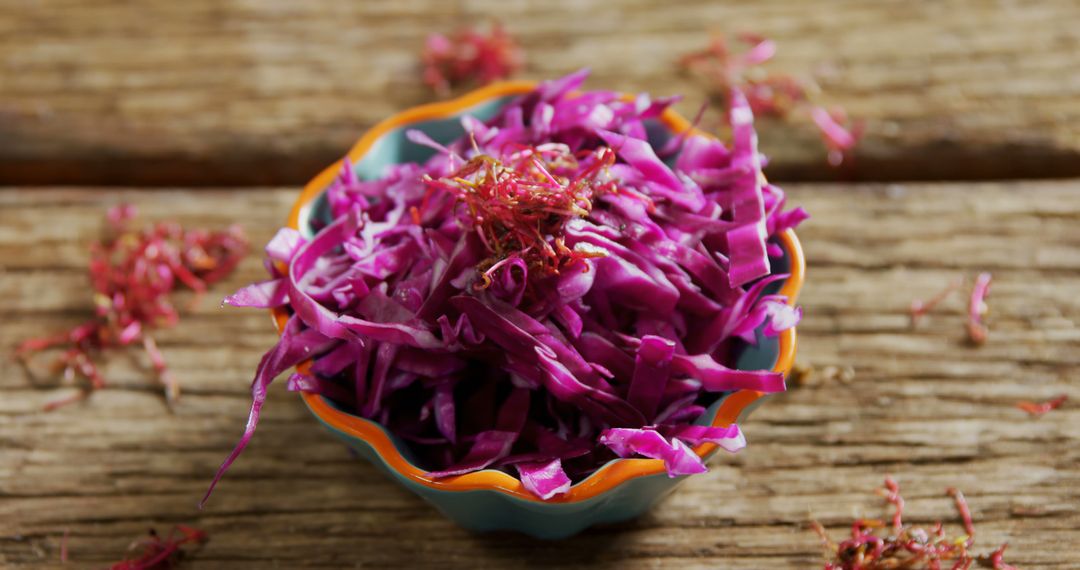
(491, 500)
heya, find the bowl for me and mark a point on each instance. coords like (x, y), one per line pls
(491, 500)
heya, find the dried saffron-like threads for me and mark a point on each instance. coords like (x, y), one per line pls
(159, 553)
(772, 94)
(1040, 408)
(920, 308)
(518, 204)
(976, 328)
(469, 57)
(133, 273)
(64, 546)
(907, 546)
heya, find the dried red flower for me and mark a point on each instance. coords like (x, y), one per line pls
(133, 273)
(469, 57)
(771, 94)
(1040, 408)
(907, 547)
(162, 554)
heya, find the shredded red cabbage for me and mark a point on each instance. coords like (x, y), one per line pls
(541, 296)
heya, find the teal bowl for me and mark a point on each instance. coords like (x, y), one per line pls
(491, 500)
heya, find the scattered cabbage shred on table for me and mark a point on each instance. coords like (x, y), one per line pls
(541, 296)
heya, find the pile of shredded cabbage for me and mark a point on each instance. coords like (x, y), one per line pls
(541, 296)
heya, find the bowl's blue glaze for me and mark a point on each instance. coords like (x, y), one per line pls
(493, 509)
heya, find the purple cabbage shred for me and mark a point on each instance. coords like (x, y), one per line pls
(543, 295)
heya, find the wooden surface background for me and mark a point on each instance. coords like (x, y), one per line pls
(227, 94)
(214, 92)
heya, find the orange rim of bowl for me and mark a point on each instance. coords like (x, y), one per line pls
(609, 475)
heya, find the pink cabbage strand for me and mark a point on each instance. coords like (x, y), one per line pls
(977, 307)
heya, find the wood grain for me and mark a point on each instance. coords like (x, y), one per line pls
(209, 92)
(924, 406)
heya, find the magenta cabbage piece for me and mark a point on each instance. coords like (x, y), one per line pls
(480, 362)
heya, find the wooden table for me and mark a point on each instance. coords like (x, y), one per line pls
(923, 406)
(190, 103)
(213, 92)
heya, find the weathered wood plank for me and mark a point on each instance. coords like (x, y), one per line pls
(924, 406)
(214, 93)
